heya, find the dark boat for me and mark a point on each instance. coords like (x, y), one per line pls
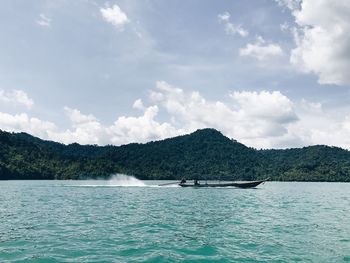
(242, 184)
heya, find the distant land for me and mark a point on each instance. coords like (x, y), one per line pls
(203, 154)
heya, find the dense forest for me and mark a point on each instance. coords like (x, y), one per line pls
(204, 154)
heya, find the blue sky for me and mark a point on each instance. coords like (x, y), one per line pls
(271, 74)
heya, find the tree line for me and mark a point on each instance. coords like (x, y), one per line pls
(204, 154)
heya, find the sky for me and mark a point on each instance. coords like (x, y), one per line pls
(267, 73)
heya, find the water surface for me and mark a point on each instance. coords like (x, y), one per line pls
(99, 221)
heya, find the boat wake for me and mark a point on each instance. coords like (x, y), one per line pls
(118, 180)
(125, 180)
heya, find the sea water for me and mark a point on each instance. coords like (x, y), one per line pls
(126, 220)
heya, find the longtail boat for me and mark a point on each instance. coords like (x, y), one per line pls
(239, 184)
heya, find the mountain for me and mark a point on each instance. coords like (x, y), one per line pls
(204, 154)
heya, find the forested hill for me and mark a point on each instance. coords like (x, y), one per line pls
(204, 154)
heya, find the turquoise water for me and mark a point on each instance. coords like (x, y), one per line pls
(98, 221)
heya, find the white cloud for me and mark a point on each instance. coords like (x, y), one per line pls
(87, 129)
(77, 118)
(272, 106)
(16, 97)
(311, 106)
(22, 122)
(230, 28)
(290, 4)
(261, 50)
(138, 105)
(115, 16)
(44, 21)
(322, 40)
(141, 129)
(249, 117)
(264, 119)
(319, 127)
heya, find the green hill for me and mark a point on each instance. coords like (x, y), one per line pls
(204, 154)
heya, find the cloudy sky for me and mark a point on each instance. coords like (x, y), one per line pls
(268, 73)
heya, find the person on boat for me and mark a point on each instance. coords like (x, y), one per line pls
(183, 181)
(196, 182)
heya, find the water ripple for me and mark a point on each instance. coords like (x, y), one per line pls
(50, 221)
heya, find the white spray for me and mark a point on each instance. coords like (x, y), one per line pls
(124, 180)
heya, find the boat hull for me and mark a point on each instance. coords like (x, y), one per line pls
(250, 184)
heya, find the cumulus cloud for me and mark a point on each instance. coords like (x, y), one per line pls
(337, 134)
(319, 127)
(138, 105)
(272, 106)
(77, 118)
(22, 122)
(322, 39)
(261, 50)
(141, 129)
(87, 129)
(261, 119)
(115, 16)
(16, 97)
(230, 28)
(44, 21)
(248, 117)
